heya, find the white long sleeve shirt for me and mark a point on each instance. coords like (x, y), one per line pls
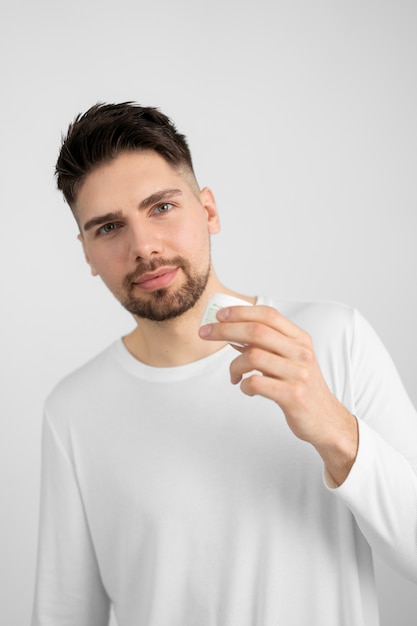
(170, 494)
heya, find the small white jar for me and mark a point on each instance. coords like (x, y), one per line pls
(217, 302)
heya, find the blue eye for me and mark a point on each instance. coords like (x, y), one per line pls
(163, 208)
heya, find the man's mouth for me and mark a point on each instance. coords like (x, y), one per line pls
(160, 278)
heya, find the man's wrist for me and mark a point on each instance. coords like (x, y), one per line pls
(339, 454)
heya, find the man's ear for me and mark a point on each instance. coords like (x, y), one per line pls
(87, 258)
(209, 205)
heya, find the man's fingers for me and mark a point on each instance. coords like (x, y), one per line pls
(256, 359)
(254, 334)
(265, 315)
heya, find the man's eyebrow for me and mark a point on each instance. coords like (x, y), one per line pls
(113, 216)
(156, 197)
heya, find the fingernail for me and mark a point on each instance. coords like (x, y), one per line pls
(205, 331)
(223, 314)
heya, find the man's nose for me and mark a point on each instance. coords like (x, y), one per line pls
(144, 241)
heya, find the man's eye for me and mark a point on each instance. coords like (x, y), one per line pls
(106, 229)
(162, 208)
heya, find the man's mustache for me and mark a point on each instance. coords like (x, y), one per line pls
(144, 267)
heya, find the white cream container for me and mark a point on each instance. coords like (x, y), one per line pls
(217, 302)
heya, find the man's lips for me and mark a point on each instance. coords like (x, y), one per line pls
(156, 280)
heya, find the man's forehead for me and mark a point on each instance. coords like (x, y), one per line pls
(135, 173)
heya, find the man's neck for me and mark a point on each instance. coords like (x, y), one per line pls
(174, 342)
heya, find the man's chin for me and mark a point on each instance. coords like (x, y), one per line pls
(161, 305)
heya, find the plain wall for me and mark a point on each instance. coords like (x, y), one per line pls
(301, 116)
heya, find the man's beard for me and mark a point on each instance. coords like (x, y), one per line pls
(162, 305)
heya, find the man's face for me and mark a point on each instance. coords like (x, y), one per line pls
(145, 230)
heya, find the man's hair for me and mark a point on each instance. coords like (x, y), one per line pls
(107, 130)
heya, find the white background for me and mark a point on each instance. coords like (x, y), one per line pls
(301, 116)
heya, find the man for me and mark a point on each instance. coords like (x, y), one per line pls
(228, 475)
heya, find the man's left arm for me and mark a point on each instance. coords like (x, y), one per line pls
(369, 470)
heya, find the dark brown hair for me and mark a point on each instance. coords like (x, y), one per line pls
(105, 131)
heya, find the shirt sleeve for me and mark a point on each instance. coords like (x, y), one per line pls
(381, 489)
(69, 591)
